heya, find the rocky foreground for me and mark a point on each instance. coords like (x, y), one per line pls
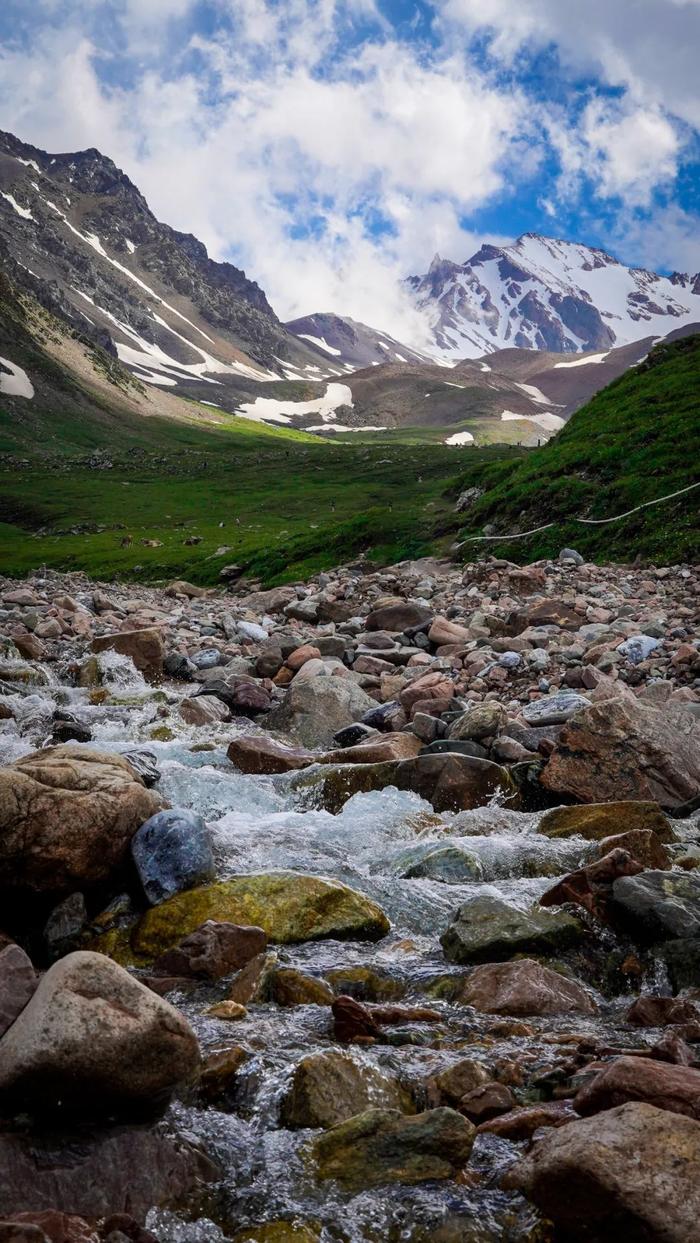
(360, 909)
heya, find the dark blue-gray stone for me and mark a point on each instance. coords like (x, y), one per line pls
(172, 851)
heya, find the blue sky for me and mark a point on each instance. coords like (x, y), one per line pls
(331, 147)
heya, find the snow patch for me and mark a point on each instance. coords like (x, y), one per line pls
(583, 362)
(320, 342)
(24, 212)
(271, 409)
(460, 438)
(17, 383)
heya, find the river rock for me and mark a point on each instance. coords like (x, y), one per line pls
(144, 647)
(521, 1123)
(398, 617)
(524, 987)
(457, 1081)
(203, 710)
(330, 1087)
(288, 906)
(241, 695)
(486, 1101)
(454, 782)
(675, 1088)
(624, 748)
(597, 821)
(642, 844)
(67, 815)
(385, 747)
(315, 710)
(383, 1146)
(450, 864)
(94, 1173)
(172, 851)
(660, 905)
(17, 983)
(95, 1042)
(486, 929)
(212, 951)
(629, 1173)
(484, 720)
(262, 755)
(650, 1011)
(554, 709)
(289, 987)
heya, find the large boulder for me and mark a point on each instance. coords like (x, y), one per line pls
(487, 929)
(384, 1146)
(98, 1172)
(95, 1042)
(376, 750)
(172, 851)
(288, 906)
(676, 1088)
(331, 1087)
(554, 709)
(315, 710)
(596, 821)
(67, 815)
(625, 749)
(629, 1173)
(145, 648)
(660, 905)
(524, 987)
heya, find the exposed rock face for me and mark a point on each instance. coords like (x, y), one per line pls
(315, 710)
(94, 1042)
(382, 1146)
(486, 929)
(121, 1169)
(286, 905)
(328, 1088)
(676, 1088)
(625, 749)
(144, 647)
(67, 816)
(627, 1173)
(524, 987)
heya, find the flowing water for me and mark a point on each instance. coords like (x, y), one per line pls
(260, 824)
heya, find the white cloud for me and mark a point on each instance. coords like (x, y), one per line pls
(633, 152)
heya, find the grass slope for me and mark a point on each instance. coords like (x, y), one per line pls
(637, 440)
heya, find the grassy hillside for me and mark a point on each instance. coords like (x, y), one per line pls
(637, 440)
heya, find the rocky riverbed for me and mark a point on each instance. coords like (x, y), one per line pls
(363, 909)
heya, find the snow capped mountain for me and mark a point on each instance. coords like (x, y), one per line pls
(351, 344)
(545, 294)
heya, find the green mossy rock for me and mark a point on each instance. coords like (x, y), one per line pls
(598, 820)
(489, 930)
(278, 1232)
(289, 906)
(384, 1146)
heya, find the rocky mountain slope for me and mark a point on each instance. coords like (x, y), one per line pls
(82, 238)
(346, 341)
(542, 293)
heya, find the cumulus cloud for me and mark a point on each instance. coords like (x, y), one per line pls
(316, 146)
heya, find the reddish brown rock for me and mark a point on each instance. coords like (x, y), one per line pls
(431, 686)
(644, 845)
(212, 951)
(301, 655)
(487, 1101)
(263, 755)
(624, 748)
(521, 1124)
(661, 1011)
(675, 1088)
(552, 612)
(67, 815)
(376, 750)
(401, 615)
(629, 1174)
(352, 1021)
(524, 987)
(144, 647)
(51, 1225)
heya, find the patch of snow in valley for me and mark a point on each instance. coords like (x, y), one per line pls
(266, 409)
(583, 362)
(17, 383)
(460, 438)
(536, 393)
(550, 422)
(24, 212)
(451, 384)
(320, 342)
